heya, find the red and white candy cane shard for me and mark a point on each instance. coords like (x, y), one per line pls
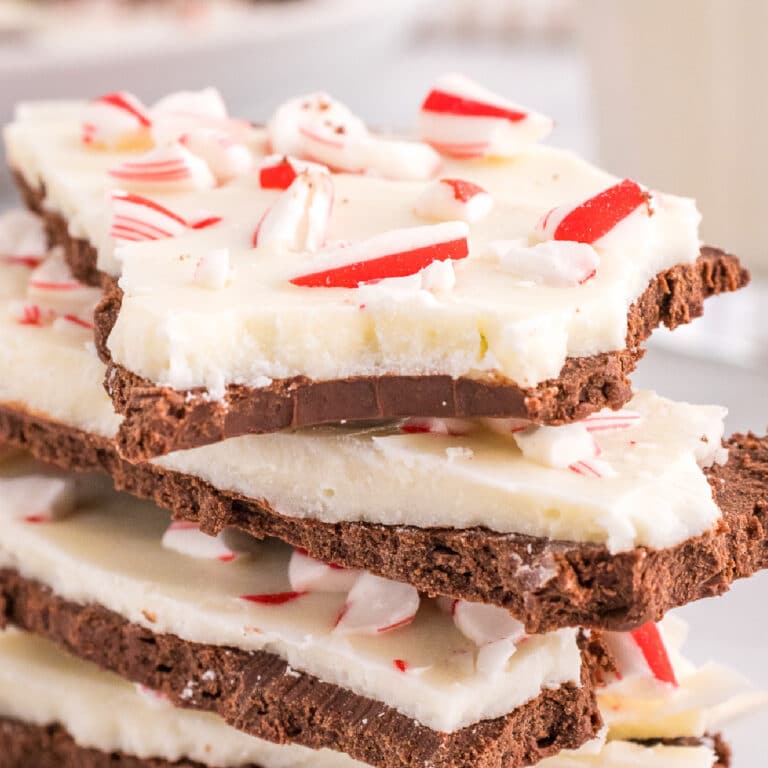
(169, 167)
(506, 426)
(280, 171)
(136, 218)
(40, 498)
(22, 238)
(594, 467)
(593, 218)
(550, 263)
(484, 624)
(462, 119)
(607, 420)
(225, 157)
(187, 539)
(437, 426)
(53, 276)
(452, 200)
(309, 575)
(213, 269)
(28, 313)
(319, 128)
(72, 323)
(116, 121)
(641, 653)
(376, 605)
(398, 253)
(300, 217)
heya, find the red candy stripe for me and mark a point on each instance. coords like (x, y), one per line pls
(600, 214)
(651, 645)
(463, 190)
(279, 176)
(393, 265)
(275, 598)
(118, 100)
(444, 103)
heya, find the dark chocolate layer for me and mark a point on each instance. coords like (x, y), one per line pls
(547, 584)
(256, 692)
(159, 419)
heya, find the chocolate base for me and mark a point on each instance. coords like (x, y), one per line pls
(258, 693)
(51, 746)
(159, 419)
(545, 583)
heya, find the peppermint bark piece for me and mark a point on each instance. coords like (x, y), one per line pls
(230, 636)
(534, 304)
(574, 544)
(116, 723)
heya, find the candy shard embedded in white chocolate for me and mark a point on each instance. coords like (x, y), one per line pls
(556, 446)
(560, 263)
(307, 575)
(165, 168)
(40, 498)
(225, 157)
(376, 605)
(213, 269)
(22, 237)
(453, 200)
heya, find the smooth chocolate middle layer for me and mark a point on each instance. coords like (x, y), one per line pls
(545, 583)
(26, 745)
(159, 419)
(258, 693)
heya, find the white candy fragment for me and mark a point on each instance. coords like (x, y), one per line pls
(213, 269)
(556, 263)
(376, 605)
(39, 498)
(309, 575)
(187, 539)
(171, 167)
(225, 157)
(484, 624)
(463, 119)
(642, 652)
(22, 238)
(317, 127)
(492, 629)
(205, 103)
(52, 281)
(556, 446)
(453, 200)
(300, 216)
(116, 121)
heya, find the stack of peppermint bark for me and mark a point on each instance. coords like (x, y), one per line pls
(385, 494)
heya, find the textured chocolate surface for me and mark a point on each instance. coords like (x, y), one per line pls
(545, 583)
(159, 419)
(25, 745)
(256, 692)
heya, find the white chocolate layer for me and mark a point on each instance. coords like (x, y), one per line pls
(259, 326)
(41, 685)
(657, 495)
(109, 552)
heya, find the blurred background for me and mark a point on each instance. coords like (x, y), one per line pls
(670, 93)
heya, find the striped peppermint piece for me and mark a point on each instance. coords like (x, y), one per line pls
(460, 118)
(309, 575)
(398, 253)
(172, 167)
(376, 605)
(607, 420)
(437, 426)
(22, 238)
(642, 653)
(558, 447)
(280, 171)
(136, 218)
(591, 220)
(319, 128)
(594, 468)
(52, 286)
(116, 121)
(506, 426)
(30, 313)
(550, 263)
(40, 498)
(187, 539)
(300, 217)
(453, 200)
(226, 158)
